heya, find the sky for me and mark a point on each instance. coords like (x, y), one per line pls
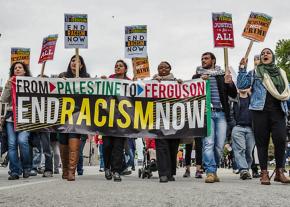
(179, 31)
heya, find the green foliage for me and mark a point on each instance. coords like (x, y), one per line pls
(283, 55)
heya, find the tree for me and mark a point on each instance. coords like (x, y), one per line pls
(283, 55)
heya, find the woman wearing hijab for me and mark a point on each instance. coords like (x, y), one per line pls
(268, 103)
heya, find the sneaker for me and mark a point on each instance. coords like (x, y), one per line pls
(198, 174)
(13, 177)
(108, 174)
(236, 171)
(33, 173)
(163, 179)
(126, 172)
(101, 170)
(186, 174)
(210, 178)
(26, 174)
(117, 177)
(249, 175)
(40, 170)
(133, 168)
(243, 174)
(47, 174)
(56, 171)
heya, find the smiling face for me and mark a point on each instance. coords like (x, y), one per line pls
(73, 65)
(120, 68)
(19, 70)
(163, 69)
(266, 56)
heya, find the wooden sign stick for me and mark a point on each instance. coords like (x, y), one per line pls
(42, 69)
(249, 49)
(77, 63)
(226, 57)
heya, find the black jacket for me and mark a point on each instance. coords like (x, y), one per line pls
(225, 90)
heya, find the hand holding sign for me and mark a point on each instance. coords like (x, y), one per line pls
(228, 77)
(243, 62)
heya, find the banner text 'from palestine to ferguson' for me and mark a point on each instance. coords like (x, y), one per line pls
(112, 106)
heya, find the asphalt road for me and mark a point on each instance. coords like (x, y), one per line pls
(92, 189)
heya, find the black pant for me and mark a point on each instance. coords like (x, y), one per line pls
(113, 153)
(166, 154)
(198, 152)
(266, 123)
(188, 150)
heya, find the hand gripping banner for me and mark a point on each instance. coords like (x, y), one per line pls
(112, 107)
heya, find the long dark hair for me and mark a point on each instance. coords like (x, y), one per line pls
(27, 71)
(124, 63)
(83, 71)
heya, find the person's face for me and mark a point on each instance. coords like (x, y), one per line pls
(120, 68)
(266, 56)
(256, 61)
(163, 69)
(19, 70)
(207, 62)
(73, 65)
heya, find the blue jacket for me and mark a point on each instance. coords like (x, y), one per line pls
(259, 92)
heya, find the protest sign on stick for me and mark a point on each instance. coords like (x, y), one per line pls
(47, 51)
(141, 67)
(19, 54)
(256, 29)
(76, 34)
(223, 33)
(136, 41)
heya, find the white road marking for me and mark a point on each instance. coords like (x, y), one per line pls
(26, 184)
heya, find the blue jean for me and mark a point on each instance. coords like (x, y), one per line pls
(214, 143)
(101, 154)
(243, 146)
(80, 166)
(16, 139)
(130, 162)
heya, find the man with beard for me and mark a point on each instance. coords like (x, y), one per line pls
(221, 86)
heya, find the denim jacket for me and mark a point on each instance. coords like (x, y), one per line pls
(259, 92)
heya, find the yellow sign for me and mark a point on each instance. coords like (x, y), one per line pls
(141, 67)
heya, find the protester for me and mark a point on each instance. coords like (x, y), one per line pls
(70, 143)
(166, 149)
(198, 160)
(54, 143)
(221, 86)
(180, 158)
(255, 163)
(99, 142)
(132, 150)
(270, 93)
(242, 134)
(80, 165)
(114, 145)
(17, 165)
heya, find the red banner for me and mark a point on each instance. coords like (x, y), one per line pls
(48, 47)
(223, 32)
